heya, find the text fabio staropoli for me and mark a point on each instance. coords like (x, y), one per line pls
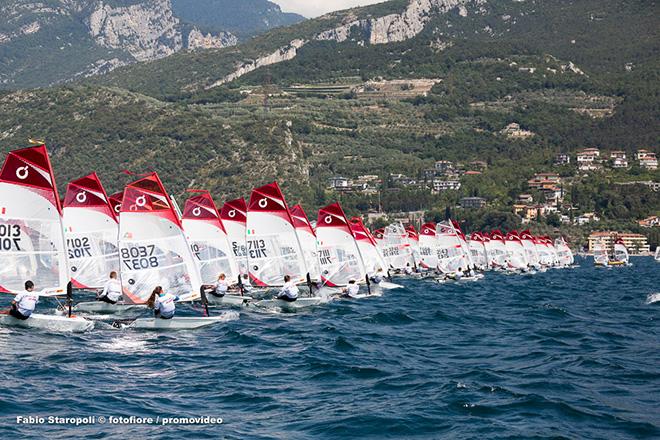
(118, 420)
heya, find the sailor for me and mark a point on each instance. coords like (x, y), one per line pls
(112, 290)
(351, 290)
(459, 274)
(24, 303)
(289, 291)
(377, 278)
(220, 287)
(163, 303)
(247, 287)
(408, 270)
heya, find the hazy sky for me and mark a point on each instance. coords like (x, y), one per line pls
(314, 8)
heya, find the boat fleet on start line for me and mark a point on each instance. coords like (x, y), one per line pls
(137, 250)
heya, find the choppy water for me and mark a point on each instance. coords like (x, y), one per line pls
(570, 353)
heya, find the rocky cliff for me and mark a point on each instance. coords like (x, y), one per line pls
(371, 30)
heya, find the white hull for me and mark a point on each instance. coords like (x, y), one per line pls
(300, 303)
(181, 322)
(49, 322)
(229, 300)
(104, 308)
(386, 285)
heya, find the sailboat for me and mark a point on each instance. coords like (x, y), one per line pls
(308, 241)
(396, 248)
(339, 255)
(413, 243)
(528, 243)
(621, 256)
(374, 262)
(564, 252)
(210, 245)
(516, 252)
(428, 247)
(233, 216)
(154, 252)
(32, 244)
(478, 251)
(496, 249)
(450, 253)
(657, 254)
(601, 256)
(91, 230)
(273, 247)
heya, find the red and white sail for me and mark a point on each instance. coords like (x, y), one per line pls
(531, 252)
(413, 242)
(234, 215)
(371, 256)
(91, 230)
(32, 245)
(208, 239)
(477, 245)
(516, 251)
(273, 249)
(339, 255)
(428, 246)
(153, 250)
(462, 240)
(308, 241)
(115, 203)
(496, 248)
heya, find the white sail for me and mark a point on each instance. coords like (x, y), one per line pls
(564, 252)
(308, 241)
(395, 247)
(601, 257)
(621, 253)
(516, 251)
(207, 239)
(373, 260)
(234, 216)
(478, 251)
(657, 253)
(91, 231)
(531, 253)
(273, 248)
(153, 250)
(428, 246)
(450, 253)
(339, 256)
(32, 245)
(496, 249)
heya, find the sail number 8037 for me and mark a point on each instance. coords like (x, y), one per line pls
(139, 257)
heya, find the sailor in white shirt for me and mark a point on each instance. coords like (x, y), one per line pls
(24, 303)
(220, 287)
(163, 303)
(112, 290)
(247, 286)
(351, 290)
(378, 276)
(289, 291)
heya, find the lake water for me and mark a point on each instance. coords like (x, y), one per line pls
(566, 353)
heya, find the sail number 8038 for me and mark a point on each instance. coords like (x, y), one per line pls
(139, 257)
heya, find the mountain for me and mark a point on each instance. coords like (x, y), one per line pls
(386, 89)
(54, 41)
(243, 18)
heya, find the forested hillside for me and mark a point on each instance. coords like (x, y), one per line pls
(574, 74)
